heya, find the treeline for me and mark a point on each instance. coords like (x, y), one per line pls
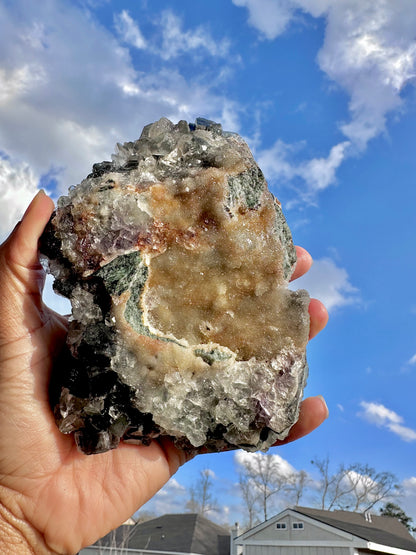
(267, 484)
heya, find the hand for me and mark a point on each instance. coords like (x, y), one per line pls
(313, 411)
(54, 499)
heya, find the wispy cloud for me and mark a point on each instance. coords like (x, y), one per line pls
(281, 162)
(329, 283)
(18, 186)
(58, 112)
(177, 40)
(369, 46)
(170, 499)
(270, 17)
(408, 497)
(383, 417)
(244, 459)
(129, 30)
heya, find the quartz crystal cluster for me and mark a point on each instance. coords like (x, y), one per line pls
(176, 259)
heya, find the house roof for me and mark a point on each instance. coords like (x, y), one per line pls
(383, 530)
(184, 533)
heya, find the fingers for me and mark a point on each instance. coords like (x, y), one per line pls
(318, 317)
(313, 412)
(317, 311)
(303, 263)
(23, 242)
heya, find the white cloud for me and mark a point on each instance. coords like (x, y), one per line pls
(177, 40)
(362, 482)
(369, 46)
(381, 416)
(250, 460)
(329, 283)
(15, 82)
(410, 483)
(173, 487)
(129, 30)
(412, 360)
(369, 51)
(319, 173)
(56, 112)
(408, 497)
(18, 186)
(270, 17)
(209, 472)
(274, 161)
(278, 163)
(170, 499)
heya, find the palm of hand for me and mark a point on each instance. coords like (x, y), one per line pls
(70, 499)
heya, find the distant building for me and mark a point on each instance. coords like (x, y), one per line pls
(303, 531)
(185, 534)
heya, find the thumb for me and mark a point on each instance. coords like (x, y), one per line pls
(21, 248)
(20, 272)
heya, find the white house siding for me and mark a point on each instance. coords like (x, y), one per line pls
(295, 550)
(310, 532)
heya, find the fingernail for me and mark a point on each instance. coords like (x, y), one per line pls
(325, 405)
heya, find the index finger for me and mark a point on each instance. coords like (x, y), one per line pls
(303, 264)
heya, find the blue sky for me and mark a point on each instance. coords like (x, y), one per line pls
(324, 93)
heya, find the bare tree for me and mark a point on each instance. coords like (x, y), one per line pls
(298, 482)
(331, 485)
(201, 499)
(250, 497)
(369, 487)
(266, 477)
(116, 542)
(356, 487)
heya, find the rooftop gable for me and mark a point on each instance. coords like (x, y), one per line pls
(382, 530)
(184, 533)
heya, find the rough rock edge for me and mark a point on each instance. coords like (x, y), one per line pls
(91, 399)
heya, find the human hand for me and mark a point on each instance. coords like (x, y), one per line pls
(313, 410)
(54, 499)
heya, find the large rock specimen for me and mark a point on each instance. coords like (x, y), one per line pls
(176, 259)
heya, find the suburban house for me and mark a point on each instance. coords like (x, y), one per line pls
(304, 531)
(184, 534)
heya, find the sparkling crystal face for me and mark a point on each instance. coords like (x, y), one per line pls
(176, 258)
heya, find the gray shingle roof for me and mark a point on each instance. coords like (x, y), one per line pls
(186, 533)
(378, 529)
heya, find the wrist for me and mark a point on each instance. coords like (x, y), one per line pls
(17, 537)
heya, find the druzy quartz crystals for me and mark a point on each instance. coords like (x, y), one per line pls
(176, 259)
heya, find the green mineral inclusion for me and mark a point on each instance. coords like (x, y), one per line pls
(128, 272)
(123, 272)
(211, 356)
(247, 186)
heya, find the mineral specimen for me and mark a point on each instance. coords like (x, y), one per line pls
(176, 258)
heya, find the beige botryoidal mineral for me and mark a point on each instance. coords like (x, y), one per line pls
(176, 258)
